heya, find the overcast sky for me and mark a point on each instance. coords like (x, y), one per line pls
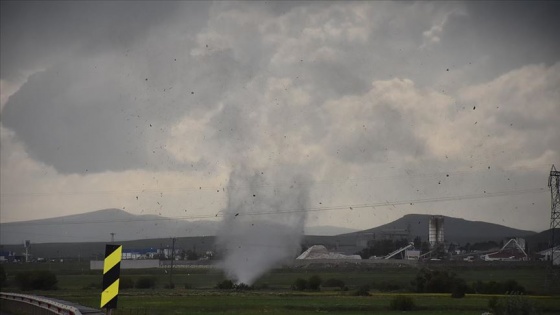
(386, 108)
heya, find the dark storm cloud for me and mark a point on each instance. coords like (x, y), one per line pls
(74, 124)
(511, 34)
(529, 28)
(109, 104)
(33, 33)
(193, 59)
(92, 114)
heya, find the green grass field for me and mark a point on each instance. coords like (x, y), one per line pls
(181, 301)
(79, 284)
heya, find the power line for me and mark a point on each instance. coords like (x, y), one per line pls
(213, 188)
(312, 209)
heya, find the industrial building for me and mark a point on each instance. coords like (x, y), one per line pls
(146, 253)
(551, 252)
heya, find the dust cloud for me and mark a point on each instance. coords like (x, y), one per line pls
(263, 222)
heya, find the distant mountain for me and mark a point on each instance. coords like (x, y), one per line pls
(542, 240)
(327, 230)
(97, 226)
(455, 229)
(84, 235)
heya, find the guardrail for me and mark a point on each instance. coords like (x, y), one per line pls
(35, 305)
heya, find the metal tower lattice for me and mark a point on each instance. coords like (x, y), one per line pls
(554, 266)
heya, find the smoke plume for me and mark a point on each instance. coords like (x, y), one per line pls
(263, 222)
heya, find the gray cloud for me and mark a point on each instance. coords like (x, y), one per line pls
(93, 109)
(72, 119)
(35, 32)
(368, 129)
(339, 88)
(112, 110)
(511, 35)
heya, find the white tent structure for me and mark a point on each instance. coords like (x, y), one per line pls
(321, 252)
(511, 251)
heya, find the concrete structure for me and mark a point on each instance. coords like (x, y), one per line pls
(435, 231)
(400, 250)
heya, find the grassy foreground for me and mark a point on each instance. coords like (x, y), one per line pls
(182, 301)
(194, 291)
(78, 275)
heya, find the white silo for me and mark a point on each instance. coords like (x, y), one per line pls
(435, 231)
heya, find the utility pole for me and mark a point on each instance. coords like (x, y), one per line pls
(26, 245)
(171, 286)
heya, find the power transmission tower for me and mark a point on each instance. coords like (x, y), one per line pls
(553, 277)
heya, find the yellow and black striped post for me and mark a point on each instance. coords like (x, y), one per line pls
(111, 273)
